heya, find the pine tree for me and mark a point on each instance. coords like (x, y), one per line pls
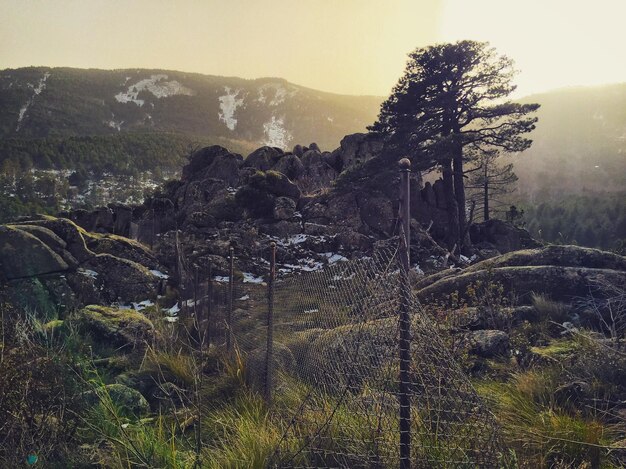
(450, 97)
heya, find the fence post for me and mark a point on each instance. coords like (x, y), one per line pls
(209, 295)
(269, 355)
(229, 316)
(404, 317)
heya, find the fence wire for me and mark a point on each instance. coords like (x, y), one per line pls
(335, 370)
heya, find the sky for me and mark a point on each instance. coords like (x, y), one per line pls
(342, 46)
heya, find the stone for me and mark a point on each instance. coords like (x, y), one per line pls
(284, 208)
(283, 361)
(291, 166)
(129, 400)
(263, 158)
(317, 173)
(24, 255)
(202, 159)
(124, 248)
(281, 229)
(125, 329)
(122, 280)
(68, 231)
(488, 343)
(503, 236)
(356, 149)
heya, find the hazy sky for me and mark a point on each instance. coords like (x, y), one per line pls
(344, 46)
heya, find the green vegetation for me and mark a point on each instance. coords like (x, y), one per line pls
(588, 219)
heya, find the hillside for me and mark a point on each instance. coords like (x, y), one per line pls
(579, 143)
(61, 102)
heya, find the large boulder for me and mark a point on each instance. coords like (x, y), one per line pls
(263, 158)
(213, 161)
(503, 236)
(284, 208)
(317, 173)
(121, 280)
(256, 365)
(559, 283)
(125, 329)
(564, 256)
(356, 149)
(68, 231)
(129, 400)
(560, 272)
(488, 343)
(24, 255)
(291, 166)
(124, 248)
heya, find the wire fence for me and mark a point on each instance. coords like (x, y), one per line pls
(332, 374)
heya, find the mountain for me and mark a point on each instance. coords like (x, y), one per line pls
(579, 143)
(40, 102)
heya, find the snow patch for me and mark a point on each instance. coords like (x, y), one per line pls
(276, 93)
(276, 135)
(88, 273)
(156, 85)
(159, 274)
(250, 278)
(228, 105)
(36, 92)
(244, 298)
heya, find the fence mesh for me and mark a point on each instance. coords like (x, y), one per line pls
(335, 370)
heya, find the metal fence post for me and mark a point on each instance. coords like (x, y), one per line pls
(229, 316)
(209, 295)
(269, 356)
(404, 317)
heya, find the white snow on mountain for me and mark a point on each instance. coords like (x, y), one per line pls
(276, 135)
(228, 105)
(157, 85)
(36, 91)
(276, 93)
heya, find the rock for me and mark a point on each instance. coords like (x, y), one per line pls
(356, 149)
(563, 256)
(503, 236)
(317, 174)
(68, 231)
(352, 241)
(24, 255)
(560, 283)
(205, 159)
(283, 362)
(126, 329)
(263, 158)
(121, 280)
(124, 248)
(298, 150)
(128, 399)
(123, 217)
(291, 166)
(488, 343)
(284, 208)
(314, 147)
(276, 183)
(281, 229)
(377, 213)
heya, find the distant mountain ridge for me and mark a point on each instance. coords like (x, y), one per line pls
(579, 142)
(39, 102)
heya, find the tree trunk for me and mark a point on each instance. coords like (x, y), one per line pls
(459, 194)
(486, 194)
(454, 231)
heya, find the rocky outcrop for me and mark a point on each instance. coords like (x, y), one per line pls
(24, 255)
(53, 265)
(504, 237)
(562, 273)
(124, 329)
